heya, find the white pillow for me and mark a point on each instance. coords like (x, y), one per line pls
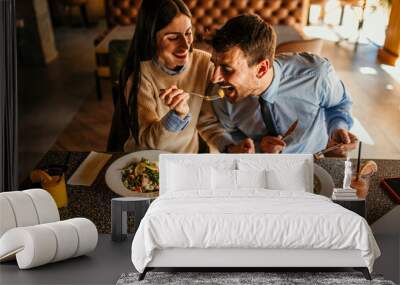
(251, 178)
(181, 177)
(282, 173)
(227, 179)
(224, 179)
(293, 180)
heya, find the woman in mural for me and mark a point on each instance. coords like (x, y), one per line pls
(160, 75)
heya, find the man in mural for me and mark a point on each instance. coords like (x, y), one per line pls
(265, 95)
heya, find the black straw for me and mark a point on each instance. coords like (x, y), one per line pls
(358, 160)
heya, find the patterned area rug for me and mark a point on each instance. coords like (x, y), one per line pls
(230, 278)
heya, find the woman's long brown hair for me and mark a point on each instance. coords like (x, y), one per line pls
(153, 16)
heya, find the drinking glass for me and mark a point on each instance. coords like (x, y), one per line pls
(361, 185)
(57, 186)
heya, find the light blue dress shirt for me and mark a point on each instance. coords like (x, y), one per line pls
(173, 123)
(240, 120)
(304, 87)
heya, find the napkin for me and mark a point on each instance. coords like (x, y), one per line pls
(89, 169)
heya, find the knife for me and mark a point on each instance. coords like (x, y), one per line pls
(291, 129)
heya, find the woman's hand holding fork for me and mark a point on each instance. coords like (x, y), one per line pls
(176, 99)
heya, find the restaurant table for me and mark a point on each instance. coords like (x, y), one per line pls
(94, 202)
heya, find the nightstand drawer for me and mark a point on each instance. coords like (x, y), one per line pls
(358, 207)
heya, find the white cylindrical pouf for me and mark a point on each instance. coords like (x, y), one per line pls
(23, 208)
(34, 246)
(7, 218)
(45, 205)
(87, 234)
(67, 239)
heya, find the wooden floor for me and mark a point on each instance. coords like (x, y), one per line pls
(49, 96)
(376, 96)
(90, 127)
(376, 105)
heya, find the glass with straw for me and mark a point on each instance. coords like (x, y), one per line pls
(358, 181)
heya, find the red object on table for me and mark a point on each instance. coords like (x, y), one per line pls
(392, 187)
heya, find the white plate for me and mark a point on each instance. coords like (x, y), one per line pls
(326, 183)
(113, 174)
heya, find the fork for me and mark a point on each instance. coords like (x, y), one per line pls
(319, 154)
(207, 98)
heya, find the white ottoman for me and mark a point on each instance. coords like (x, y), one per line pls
(31, 232)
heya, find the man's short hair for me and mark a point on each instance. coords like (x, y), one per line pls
(255, 37)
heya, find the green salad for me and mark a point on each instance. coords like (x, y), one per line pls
(142, 176)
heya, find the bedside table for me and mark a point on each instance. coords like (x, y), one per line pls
(357, 206)
(120, 207)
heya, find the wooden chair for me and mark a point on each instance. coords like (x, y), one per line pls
(118, 50)
(119, 131)
(321, 3)
(353, 3)
(310, 45)
(82, 6)
(361, 4)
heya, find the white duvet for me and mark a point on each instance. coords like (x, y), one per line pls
(252, 218)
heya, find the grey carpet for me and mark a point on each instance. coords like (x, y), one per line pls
(230, 278)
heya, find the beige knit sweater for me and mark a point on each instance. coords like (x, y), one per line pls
(151, 109)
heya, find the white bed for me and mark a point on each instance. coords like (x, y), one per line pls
(228, 211)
